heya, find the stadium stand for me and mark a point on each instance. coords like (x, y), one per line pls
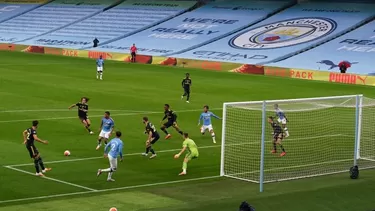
(11, 9)
(114, 23)
(285, 34)
(357, 47)
(197, 27)
(49, 17)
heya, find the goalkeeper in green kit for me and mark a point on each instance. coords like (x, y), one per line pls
(193, 153)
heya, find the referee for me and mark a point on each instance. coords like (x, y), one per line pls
(186, 84)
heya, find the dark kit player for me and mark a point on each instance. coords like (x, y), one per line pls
(29, 137)
(186, 84)
(153, 137)
(171, 121)
(278, 136)
(83, 108)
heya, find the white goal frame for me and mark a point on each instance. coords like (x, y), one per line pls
(357, 133)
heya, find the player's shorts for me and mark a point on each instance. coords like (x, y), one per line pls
(133, 54)
(170, 123)
(112, 162)
(278, 136)
(187, 89)
(83, 118)
(104, 134)
(155, 138)
(192, 155)
(206, 127)
(282, 121)
(99, 69)
(33, 151)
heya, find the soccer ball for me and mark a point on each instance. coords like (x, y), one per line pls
(66, 153)
(113, 209)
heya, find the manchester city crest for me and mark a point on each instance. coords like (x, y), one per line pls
(284, 33)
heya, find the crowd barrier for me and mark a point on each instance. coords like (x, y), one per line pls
(333, 77)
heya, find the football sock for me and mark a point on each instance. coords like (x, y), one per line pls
(152, 151)
(101, 75)
(41, 164)
(184, 167)
(180, 132)
(110, 175)
(99, 141)
(188, 97)
(282, 148)
(165, 131)
(148, 149)
(97, 75)
(286, 131)
(274, 146)
(36, 164)
(105, 142)
(213, 137)
(88, 128)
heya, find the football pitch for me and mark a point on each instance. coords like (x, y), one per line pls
(42, 87)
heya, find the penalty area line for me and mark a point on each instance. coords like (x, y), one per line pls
(52, 179)
(110, 189)
(173, 150)
(95, 116)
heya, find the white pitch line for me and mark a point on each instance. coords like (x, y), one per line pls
(66, 110)
(52, 179)
(293, 167)
(172, 150)
(109, 189)
(93, 116)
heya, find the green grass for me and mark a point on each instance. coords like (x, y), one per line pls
(42, 87)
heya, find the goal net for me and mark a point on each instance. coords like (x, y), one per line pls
(327, 135)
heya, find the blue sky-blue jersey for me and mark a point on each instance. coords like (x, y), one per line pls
(107, 124)
(280, 113)
(206, 117)
(99, 62)
(114, 148)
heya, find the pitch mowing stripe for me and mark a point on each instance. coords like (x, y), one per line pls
(95, 116)
(171, 150)
(110, 189)
(52, 179)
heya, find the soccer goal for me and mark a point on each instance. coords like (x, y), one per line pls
(328, 135)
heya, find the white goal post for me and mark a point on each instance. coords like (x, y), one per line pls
(328, 135)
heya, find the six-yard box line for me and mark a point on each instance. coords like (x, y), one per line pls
(91, 190)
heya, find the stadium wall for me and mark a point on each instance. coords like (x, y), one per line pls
(313, 75)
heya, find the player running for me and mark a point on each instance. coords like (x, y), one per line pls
(281, 118)
(106, 129)
(99, 67)
(83, 109)
(29, 137)
(186, 84)
(153, 137)
(171, 121)
(112, 151)
(193, 153)
(278, 136)
(207, 125)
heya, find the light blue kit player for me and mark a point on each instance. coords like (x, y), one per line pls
(207, 125)
(106, 128)
(99, 67)
(112, 150)
(282, 119)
